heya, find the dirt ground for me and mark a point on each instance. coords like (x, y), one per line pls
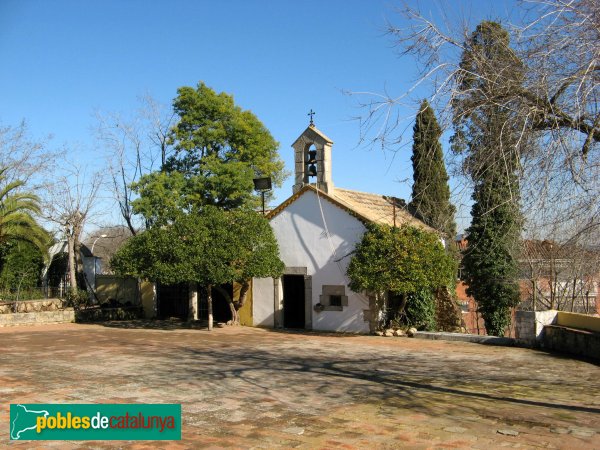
(252, 388)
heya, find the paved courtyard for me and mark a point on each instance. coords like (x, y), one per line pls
(253, 388)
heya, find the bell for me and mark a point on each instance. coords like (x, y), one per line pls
(312, 170)
(312, 156)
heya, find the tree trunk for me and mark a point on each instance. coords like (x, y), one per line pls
(71, 257)
(402, 305)
(210, 308)
(230, 302)
(241, 301)
(193, 301)
(79, 268)
(573, 294)
(234, 313)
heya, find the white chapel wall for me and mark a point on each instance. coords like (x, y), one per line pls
(303, 243)
(263, 310)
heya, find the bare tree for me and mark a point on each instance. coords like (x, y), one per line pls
(134, 146)
(24, 158)
(558, 41)
(159, 120)
(562, 275)
(555, 110)
(70, 203)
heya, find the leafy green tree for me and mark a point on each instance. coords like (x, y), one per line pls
(21, 264)
(199, 227)
(430, 191)
(487, 135)
(218, 149)
(402, 261)
(209, 248)
(163, 196)
(17, 209)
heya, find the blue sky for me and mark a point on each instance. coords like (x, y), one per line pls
(62, 60)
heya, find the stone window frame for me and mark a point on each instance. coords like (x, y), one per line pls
(332, 290)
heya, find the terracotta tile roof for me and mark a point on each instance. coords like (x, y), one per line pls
(378, 208)
(367, 207)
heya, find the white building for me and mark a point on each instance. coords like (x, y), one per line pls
(317, 229)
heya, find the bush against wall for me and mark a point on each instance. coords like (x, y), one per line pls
(406, 262)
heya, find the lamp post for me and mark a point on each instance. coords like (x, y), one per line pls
(96, 240)
(262, 185)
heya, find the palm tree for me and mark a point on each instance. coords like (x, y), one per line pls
(16, 215)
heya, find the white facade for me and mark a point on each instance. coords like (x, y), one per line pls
(316, 238)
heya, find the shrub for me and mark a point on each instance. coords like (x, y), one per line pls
(420, 310)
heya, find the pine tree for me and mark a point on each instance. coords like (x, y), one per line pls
(430, 191)
(486, 131)
(219, 148)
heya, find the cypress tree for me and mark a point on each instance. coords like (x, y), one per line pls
(430, 191)
(485, 121)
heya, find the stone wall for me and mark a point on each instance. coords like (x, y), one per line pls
(546, 329)
(573, 341)
(121, 289)
(30, 306)
(40, 317)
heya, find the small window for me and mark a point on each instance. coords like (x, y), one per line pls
(333, 297)
(335, 300)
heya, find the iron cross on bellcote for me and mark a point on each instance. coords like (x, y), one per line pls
(311, 114)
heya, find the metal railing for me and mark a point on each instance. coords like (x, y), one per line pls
(8, 295)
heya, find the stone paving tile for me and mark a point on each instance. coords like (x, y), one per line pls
(253, 388)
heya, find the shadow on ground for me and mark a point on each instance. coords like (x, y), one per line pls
(155, 324)
(243, 387)
(178, 324)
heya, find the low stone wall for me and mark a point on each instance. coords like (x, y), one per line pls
(573, 341)
(559, 331)
(40, 317)
(529, 325)
(30, 306)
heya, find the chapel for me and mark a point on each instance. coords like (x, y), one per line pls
(317, 229)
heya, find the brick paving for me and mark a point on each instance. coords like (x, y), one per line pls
(253, 388)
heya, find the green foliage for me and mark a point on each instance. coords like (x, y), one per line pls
(492, 151)
(430, 191)
(420, 310)
(212, 125)
(21, 264)
(210, 247)
(219, 149)
(16, 215)
(401, 260)
(163, 196)
(490, 261)
(77, 298)
(490, 80)
(13, 295)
